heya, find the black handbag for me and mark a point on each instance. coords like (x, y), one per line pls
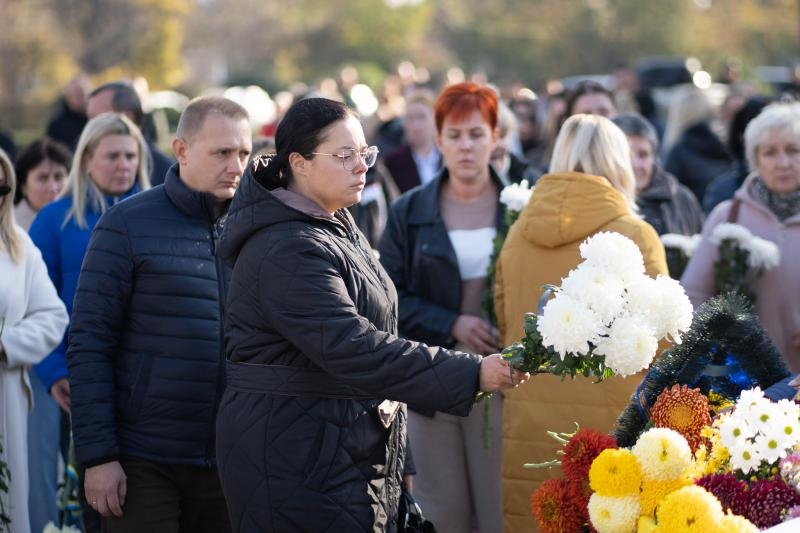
(409, 516)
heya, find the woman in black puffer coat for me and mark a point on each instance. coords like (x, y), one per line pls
(310, 433)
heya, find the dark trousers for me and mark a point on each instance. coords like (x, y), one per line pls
(170, 499)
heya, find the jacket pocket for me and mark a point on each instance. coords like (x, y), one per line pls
(327, 443)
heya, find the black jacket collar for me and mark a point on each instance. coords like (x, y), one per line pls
(193, 203)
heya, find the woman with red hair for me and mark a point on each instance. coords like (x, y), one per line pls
(436, 248)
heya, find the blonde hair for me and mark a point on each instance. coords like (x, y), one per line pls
(592, 144)
(778, 116)
(9, 238)
(80, 186)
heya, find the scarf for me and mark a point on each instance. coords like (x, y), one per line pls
(783, 205)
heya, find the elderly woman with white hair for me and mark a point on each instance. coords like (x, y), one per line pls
(32, 320)
(767, 204)
(591, 189)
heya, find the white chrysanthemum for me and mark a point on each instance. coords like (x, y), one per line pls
(516, 196)
(614, 514)
(615, 253)
(662, 304)
(762, 414)
(597, 289)
(685, 243)
(664, 454)
(735, 430)
(763, 253)
(785, 429)
(568, 326)
(733, 232)
(629, 347)
(745, 457)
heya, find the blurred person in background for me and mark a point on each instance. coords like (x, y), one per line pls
(530, 127)
(694, 153)
(725, 185)
(592, 188)
(767, 204)
(111, 163)
(121, 97)
(586, 97)
(417, 161)
(68, 122)
(436, 250)
(32, 321)
(663, 202)
(42, 169)
(510, 168)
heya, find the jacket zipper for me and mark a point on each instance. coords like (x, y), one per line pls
(221, 291)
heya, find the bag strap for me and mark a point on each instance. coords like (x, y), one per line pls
(733, 214)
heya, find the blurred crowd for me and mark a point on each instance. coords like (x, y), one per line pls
(602, 155)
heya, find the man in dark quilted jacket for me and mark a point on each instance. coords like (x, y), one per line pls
(146, 362)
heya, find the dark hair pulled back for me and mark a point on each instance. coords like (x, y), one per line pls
(36, 152)
(301, 130)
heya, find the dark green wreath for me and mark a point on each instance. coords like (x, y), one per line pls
(725, 324)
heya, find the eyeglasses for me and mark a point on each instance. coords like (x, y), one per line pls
(351, 157)
(5, 189)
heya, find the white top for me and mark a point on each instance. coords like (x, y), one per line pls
(473, 250)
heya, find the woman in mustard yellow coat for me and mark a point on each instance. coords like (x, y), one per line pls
(591, 188)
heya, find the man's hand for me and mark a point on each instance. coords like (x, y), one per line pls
(60, 393)
(477, 335)
(106, 487)
(496, 374)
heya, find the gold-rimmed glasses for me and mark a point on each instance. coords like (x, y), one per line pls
(350, 157)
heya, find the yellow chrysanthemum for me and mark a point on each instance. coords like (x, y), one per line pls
(653, 491)
(732, 523)
(615, 472)
(688, 510)
(663, 454)
(612, 514)
(711, 457)
(647, 524)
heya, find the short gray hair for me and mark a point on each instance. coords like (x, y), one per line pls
(776, 116)
(634, 124)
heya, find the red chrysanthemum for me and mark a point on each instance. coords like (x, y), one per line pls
(728, 490)
(766, 500)
(555, 508)
(579, 453)
(684, 410)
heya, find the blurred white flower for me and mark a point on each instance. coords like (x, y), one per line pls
(685, 243)
(763, 254)
(733, 232)
(516, 196)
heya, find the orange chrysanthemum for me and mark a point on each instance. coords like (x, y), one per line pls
(579, 453)
(555, 507)
(684, 410)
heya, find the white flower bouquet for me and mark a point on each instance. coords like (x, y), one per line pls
(514, 198)
(606, 318)
(743, 258)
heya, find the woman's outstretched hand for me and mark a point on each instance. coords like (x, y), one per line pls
(496, 374)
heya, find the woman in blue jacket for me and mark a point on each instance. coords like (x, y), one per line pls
(110, 164)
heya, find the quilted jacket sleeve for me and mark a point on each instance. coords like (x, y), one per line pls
(305, 298)
(420, 319)
(98, 318)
